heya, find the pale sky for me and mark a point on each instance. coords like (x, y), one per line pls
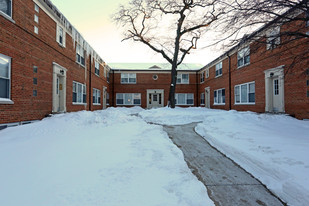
(92, 19)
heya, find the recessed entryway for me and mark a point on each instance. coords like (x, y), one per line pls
(155, 98)
(274, 90)
(59, 88)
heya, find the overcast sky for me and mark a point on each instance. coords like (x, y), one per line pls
(92, 19)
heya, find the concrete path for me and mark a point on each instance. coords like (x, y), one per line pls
(226, 182)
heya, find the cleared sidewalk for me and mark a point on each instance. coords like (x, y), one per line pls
(227, 183)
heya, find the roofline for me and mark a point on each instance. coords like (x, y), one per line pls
(246, 39)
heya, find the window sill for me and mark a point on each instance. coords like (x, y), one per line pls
(7, 17)
(202, 104)
(128, 104)
(97, 104)
(61, 45)
(6, 101)
(79, 103)
(184, 104)
(239, 67)
(98, 75)
(244, 104)
(219, 104)
(81, 64)
(218, 76)
(127, 83)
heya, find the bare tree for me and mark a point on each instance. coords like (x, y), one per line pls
(171, 28)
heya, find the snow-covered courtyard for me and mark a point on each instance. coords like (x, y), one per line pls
(114, 158)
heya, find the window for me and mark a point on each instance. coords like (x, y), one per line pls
(80, 55)
(219, 97)
(207, 73)
(107, 98)
(202, 77)
(307, 17)
(128, 99)
(107, 78)
(5, 76)
(35, 93)
(243, 57)
(36, 8)
(35, 81)
(36, 18)
(35, 69)
(245, 93)
(127, 78)
(6, 7)
(96, 96)
(183, 79)
(273, 38)
(97, 68)
(202, 98)
(184, 99)
(36, 30)
(276, 87)
(219, 69)
(79, 93)
(61, 34)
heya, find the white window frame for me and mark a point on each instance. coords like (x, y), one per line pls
(186, 99)
(207, 73)
(36, 30)
(218, 71)
(11, 11)
(97, 68)
(61, 33)
(132, 97)
(241, 55)
(80, 53)
(107, 76)
(202, 98)
(2, 99)
(127, 78)
(273, 38)
(36, 18)
(36, 8)
(181, 79)
(239, 86)
(217, 100)
(202, 77)
(96, 96)
(82, 95)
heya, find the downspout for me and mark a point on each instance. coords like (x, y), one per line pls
(90, 83)
(230, 83)
(113, 89)
(197, 88)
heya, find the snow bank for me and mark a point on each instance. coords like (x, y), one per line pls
(95, 158)
(274, 148)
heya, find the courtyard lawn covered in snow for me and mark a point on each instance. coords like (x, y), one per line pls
(273, 148)
(95, 158)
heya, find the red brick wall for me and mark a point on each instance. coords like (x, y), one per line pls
(27, 49)
(144, 81)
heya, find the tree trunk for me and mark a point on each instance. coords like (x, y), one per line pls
(173, 86)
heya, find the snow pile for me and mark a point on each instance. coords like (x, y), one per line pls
(273, 148)
(95, 158)
(177, 116)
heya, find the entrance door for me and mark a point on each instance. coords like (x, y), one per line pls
(59, 89)
(276, 95)
(155, 98)
(207, 97)
(104, 97)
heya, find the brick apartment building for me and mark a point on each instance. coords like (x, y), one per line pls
(45, 64)
(47, 67)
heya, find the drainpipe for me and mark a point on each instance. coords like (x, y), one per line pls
(113, 90)
(90, 83)
(230, 88)
(197, 88)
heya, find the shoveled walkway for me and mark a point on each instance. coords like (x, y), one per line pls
(226, 182)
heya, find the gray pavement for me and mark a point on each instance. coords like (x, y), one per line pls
(227, 183)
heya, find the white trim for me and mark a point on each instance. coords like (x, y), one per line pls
(179, 76)
(186, 99)
(7, 100)
(36, 18)
(221, 97)
(83, 85)
(245, 103)
(36, 30)
(6, 15)
(96, 91)
(123, 98)
(63, 44)
(128, 78)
